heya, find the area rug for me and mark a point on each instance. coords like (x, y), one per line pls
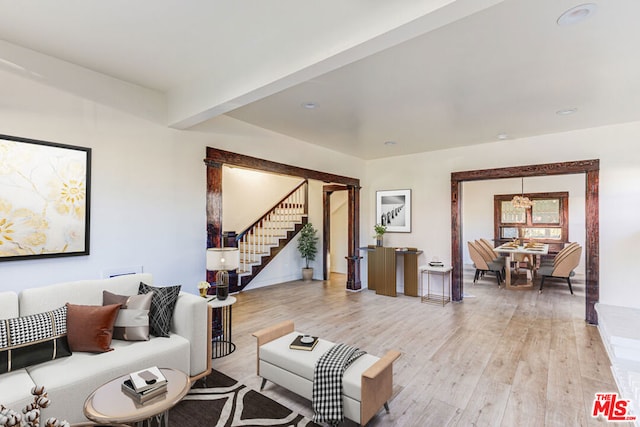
(219, 400)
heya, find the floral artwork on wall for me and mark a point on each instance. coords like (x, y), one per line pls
(44, 199)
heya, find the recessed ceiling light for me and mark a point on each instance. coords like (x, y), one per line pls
(566, 111)
(502, 136)
(389, 143)
(310, 105)
(577, 14)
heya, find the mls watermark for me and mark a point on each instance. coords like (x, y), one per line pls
(612, 407)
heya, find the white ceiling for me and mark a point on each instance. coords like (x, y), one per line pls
(426, 74)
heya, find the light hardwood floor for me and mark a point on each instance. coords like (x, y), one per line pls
(501, 358)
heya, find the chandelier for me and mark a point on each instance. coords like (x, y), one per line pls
(521, 201)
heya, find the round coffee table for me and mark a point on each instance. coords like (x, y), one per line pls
(109, 404)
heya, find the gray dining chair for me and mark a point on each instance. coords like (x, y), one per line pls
(564, 268)
(482, 266)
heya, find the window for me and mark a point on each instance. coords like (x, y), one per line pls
(546, 221)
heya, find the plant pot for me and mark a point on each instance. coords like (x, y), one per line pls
(307, 274)
(379, 240)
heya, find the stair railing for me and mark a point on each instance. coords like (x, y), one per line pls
(259, 237)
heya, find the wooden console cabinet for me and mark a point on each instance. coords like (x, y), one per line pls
(381, 270)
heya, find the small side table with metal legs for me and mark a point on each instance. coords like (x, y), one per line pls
(431, 297)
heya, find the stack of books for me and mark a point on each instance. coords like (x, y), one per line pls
(145, 384)
(304, 342)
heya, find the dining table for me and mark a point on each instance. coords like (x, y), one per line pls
(510, 250)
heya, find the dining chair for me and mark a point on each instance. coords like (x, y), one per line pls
(560, 255)
(481, 265)
(564, 268)
(489, 254)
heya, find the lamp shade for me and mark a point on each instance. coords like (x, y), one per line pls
(223, 258)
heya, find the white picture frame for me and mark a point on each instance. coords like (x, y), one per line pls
(393, 210)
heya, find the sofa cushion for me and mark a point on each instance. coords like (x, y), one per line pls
(9, 305)
(162, 305)
(132, 322)
(15, 389)
(85, 292)
(303, 362)
(34, 339)
(90, 327)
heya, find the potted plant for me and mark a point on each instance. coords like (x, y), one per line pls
(379, 230)
(308, 249)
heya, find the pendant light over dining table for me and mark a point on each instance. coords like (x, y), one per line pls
(521, 201)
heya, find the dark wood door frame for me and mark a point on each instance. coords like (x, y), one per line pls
(327, 191)
(591, 169)
(217, 158)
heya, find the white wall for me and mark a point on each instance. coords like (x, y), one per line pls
(477, 206)
(148, 183)
(248, 194)
(428, 176)
(339, 240)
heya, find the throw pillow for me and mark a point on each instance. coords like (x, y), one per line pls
(90, 327)
(29, 340)
(163, 303)
(132, 322)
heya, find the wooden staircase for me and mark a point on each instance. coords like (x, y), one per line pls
(264, 239)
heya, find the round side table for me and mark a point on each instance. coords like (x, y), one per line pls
(221, 343)
(109, 404)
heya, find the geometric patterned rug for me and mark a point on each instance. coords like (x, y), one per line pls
(219, 400)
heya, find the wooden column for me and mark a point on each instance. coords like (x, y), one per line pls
(326, 232)
(214, 209)
(592, 260)
(456, 245)
(353, 254)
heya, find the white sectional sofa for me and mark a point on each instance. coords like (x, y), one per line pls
(69, 380)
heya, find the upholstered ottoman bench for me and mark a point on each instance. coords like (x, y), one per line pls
(366, 386)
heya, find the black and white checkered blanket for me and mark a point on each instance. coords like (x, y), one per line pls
(327, 382)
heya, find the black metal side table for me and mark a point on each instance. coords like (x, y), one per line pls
(221, 343)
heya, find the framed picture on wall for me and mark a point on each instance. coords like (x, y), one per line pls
(44, 199)
(393, 210)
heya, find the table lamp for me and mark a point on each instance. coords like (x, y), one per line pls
(222, 260)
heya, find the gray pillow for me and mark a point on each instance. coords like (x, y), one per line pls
(163, 303)
(132, 323)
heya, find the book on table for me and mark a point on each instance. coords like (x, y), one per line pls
(142, 397)
(147, 379)
(304, 342)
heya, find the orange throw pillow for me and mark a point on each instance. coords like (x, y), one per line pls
(90, 327)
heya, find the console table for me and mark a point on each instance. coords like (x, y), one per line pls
(221, 344)
(382, 265)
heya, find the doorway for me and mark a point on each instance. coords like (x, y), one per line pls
(214, 160)
(327, 211)
(591, 170)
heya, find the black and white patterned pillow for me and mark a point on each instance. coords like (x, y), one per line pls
(29, 340)
(162, 305)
